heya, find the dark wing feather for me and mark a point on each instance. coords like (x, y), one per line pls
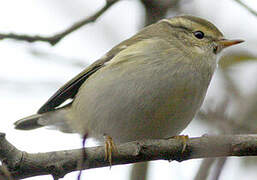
(70, 89)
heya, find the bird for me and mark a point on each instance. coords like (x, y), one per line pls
(149, 86)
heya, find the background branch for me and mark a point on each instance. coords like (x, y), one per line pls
(219, 168)
(247, 7)
(204, 169)
(139, 171)
(54, 39)
(58, 163)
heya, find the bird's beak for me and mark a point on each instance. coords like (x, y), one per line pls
(226, 43)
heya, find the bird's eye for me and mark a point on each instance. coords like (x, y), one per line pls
(199, 34)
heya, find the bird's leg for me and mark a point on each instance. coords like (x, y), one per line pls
(109, 149)
(183, 138)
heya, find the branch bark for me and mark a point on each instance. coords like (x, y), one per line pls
(54, 39)
(58, 163)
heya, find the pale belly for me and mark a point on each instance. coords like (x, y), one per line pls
(133, 106)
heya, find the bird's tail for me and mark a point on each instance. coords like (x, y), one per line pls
(28, 123)
(57, 119)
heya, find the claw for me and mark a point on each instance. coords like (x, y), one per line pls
(184, 139)
(109, 149)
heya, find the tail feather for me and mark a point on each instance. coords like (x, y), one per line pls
(28, 123)
(58, 119)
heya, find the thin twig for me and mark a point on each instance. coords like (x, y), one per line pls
(247, 7)
(54, 39)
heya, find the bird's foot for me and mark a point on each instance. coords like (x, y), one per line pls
(184, 139)
(109, 149)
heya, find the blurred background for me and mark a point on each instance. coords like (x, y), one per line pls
(31, 72)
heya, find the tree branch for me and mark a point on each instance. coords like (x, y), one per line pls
(54, 39)
(247, 7)
(58, 163)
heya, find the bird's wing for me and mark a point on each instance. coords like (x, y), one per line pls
(70, 89)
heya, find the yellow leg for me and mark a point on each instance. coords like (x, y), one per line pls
(184, 139)
(109, 149)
